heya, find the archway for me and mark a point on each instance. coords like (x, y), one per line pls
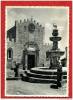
(31, 55)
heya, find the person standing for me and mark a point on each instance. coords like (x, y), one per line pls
(59, 74)
(16, 69)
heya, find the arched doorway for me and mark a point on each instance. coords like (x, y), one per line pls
(30, 55)
(31, 61)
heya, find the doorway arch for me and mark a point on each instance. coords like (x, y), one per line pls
(31, 55)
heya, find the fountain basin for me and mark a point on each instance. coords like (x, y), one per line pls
(56, 53)
(55, 38)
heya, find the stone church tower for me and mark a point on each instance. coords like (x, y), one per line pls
(25, 44)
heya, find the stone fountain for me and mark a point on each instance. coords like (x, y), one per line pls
(55, 52)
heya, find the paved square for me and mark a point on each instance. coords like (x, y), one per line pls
(18, 87)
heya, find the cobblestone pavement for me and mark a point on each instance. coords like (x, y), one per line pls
(18, 87)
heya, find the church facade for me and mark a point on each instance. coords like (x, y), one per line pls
(25, 44)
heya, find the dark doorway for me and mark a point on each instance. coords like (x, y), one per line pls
(31, 61)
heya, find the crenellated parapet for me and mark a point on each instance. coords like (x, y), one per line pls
(31, 20)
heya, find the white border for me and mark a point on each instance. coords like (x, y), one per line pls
(62, 7)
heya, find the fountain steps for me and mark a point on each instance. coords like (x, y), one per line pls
(44, 76)
(41, 80)
(37, 80)
(48, 72)
(39, 76)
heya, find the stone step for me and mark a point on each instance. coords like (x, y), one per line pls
(27, 78)
(42, 75)
(37, 80)
(49, 72)
(30, 74)
(41, 80)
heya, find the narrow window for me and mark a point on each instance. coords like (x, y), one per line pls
(9, 53)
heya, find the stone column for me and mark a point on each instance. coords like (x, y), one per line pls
(55, 45)
(37, 57)
(35, 60)
(26, 64)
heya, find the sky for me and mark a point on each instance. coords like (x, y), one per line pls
(46, 16)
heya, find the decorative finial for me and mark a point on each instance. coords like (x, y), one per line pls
(55, 26)
(55, 30)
